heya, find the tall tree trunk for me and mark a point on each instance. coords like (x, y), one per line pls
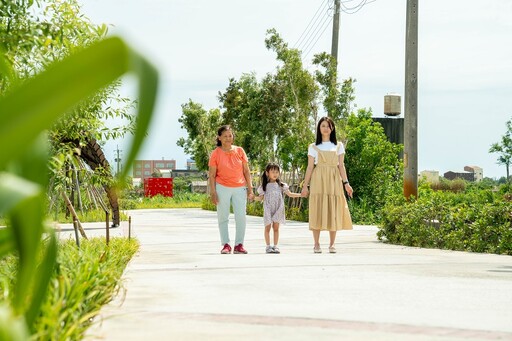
(93, 155)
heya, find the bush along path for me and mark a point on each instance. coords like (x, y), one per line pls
(84, 280)
(477, 222)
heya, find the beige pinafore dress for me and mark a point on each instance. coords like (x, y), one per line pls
(328, 208)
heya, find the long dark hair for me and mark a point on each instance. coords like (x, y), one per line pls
(332, 137)
(264, 179)
(221, 130)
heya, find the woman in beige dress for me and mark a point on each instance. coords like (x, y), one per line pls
(327, 177)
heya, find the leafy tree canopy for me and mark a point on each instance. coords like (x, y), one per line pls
(35, 34)
(275, 120)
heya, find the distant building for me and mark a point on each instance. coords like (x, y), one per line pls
(145, 168)
(472, 173)
(479, 172)
(188, 172)
(430, 175)
(460, 175)
(191, 164)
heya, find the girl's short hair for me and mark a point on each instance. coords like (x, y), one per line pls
(221, 130)
(332, 137)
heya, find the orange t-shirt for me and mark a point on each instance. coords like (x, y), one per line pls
(230, 166)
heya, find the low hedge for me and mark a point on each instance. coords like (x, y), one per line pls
(478, 222)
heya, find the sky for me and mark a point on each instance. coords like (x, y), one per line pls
(464, 63)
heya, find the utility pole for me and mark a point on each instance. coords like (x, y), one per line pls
(411, 101)
(117, 159)
(335, 30)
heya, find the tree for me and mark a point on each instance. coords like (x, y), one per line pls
(201, 126)
(275, 120)
(373, 164)
(33, 39)
(300, 100)
(255, 109)
(337, 98)
(504, 149)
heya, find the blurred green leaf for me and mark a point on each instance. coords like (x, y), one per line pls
(27, 110)
(6, 241)
(27, 226)
(43, 277)
(14, 189)
(12, 327)
(36, 104)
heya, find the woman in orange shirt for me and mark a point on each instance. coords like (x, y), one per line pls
(230, 182)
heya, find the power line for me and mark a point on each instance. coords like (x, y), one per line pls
(321, 20)
(356, 8)
(310, 21)
(304, 36)
(319, 30)
(319, 36)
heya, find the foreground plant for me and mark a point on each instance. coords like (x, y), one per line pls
(84, 280)
(25, 113)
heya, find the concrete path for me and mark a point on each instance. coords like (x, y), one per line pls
(179, 287)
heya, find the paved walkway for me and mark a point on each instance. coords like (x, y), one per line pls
(179, 287)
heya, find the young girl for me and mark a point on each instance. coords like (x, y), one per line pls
(271, 193)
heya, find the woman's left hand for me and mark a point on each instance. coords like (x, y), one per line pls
(348, 189)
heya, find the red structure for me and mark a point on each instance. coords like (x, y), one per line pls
(154, 186)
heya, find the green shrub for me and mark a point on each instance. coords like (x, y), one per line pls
(206, 204)
(179, 200)
(362, 213)
(297, 214)
(181, 184)
(457, 186)
(478, 221)
(255, 208)
(84, 279)
(85, 216)
(128, 204)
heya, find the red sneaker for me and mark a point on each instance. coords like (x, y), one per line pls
(226, 249)
(239, 249)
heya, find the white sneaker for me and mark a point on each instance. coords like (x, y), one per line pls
(269, 249)
(276, 249)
